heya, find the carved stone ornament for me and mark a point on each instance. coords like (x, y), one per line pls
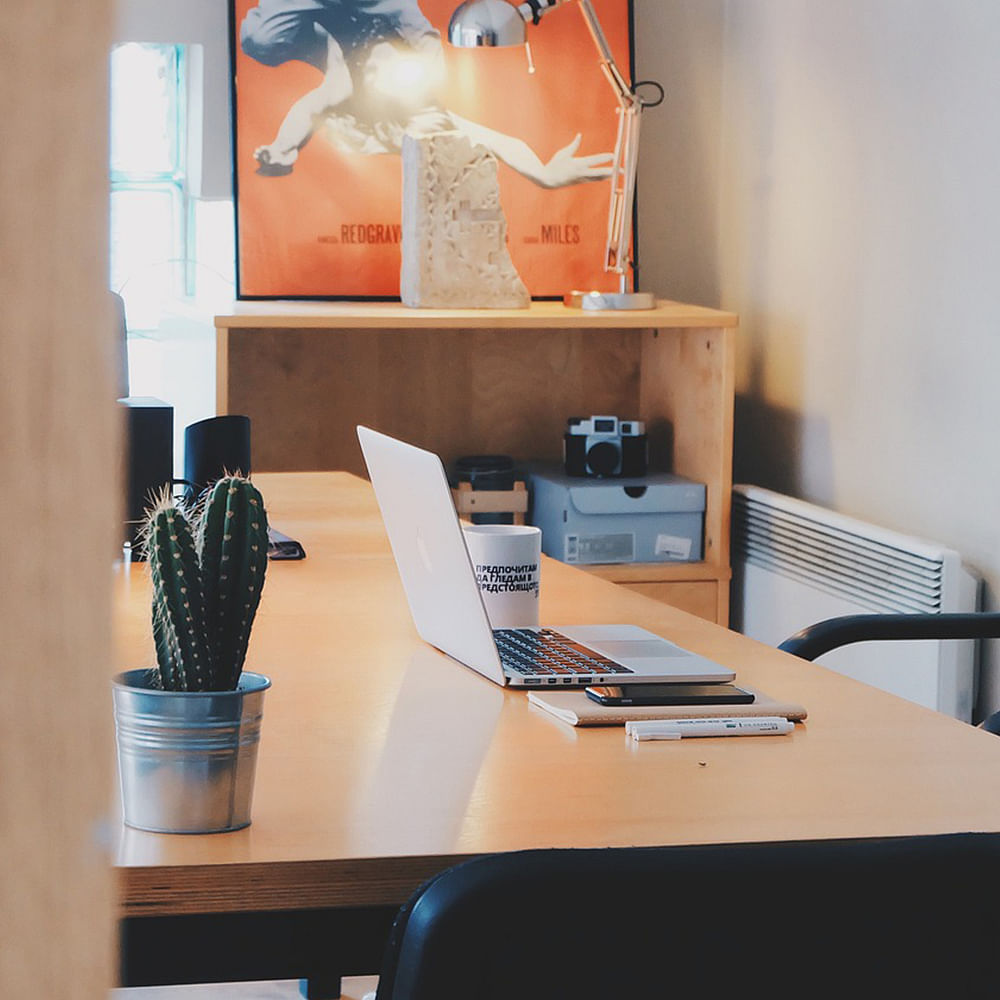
(454, 233)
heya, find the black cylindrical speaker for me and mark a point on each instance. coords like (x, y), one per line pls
(213, 448)
(149, 431)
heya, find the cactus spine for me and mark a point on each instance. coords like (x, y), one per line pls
(206, 584)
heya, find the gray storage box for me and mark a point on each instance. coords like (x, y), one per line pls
(655, 518)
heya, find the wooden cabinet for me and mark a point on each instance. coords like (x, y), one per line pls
(688, 586)
(476, 381)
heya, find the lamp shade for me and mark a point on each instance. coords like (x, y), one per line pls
(491, 23)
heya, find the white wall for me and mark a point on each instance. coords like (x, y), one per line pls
(830, 171)
(204, 25)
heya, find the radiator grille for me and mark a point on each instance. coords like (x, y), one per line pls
(795, 564)
(875, 569)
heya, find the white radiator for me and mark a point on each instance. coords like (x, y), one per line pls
(795, 564)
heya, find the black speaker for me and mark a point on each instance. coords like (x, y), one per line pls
(149, 450)
(214, 447)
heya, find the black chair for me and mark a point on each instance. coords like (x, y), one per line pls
(857, 918)
(121, 346)
(815, 640)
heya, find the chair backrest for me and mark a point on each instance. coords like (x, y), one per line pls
(838, 917)
(832, 633)
(121, 345)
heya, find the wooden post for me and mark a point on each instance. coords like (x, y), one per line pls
(60, 503)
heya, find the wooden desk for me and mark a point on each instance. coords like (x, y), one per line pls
(382, 761)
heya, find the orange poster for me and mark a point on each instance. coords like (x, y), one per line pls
(323, 90)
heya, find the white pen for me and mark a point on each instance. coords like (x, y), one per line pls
(674, 729)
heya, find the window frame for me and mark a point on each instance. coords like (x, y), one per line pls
(173, 180)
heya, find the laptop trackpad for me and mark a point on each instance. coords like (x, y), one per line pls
(625, 643)
(647, 653)
(626, 650)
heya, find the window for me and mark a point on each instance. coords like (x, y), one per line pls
(149, 205)
(172, 254)
(165, 244)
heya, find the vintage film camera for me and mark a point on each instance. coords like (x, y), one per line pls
(604, 446)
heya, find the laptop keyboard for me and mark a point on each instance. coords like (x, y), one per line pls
(551, 657)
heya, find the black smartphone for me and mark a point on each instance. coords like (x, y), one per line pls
(669, 694)
(280, 546)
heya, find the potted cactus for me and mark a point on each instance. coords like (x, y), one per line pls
(188, 729)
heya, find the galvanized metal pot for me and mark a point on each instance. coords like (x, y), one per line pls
(186, 759)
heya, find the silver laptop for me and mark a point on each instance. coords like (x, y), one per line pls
(434, 565)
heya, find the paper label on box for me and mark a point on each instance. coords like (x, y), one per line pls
(673, 547)
(606, 548)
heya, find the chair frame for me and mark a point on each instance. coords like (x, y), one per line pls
(815, 640)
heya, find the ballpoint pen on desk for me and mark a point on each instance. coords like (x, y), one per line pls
(676, 729)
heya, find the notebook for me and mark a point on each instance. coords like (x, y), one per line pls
(577, 709)
(414, 497)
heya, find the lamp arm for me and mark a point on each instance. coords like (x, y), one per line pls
(626, 157)
(618, 250)
(618, 82)
(532, 10)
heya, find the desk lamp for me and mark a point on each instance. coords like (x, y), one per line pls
(499, 23)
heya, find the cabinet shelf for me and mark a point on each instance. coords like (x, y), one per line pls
(286, 314)
(473, 381)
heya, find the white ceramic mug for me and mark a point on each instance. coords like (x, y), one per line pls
(507, 560)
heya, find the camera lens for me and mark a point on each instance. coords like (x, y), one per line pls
(603, 458)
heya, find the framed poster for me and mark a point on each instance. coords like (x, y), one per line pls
(323, 91)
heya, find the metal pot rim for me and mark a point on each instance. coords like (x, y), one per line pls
(249, 683)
